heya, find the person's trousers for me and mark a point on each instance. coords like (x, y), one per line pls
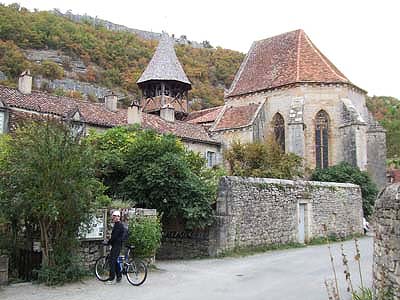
(114, 268)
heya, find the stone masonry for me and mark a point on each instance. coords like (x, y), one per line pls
(386, 267)
(261, 211)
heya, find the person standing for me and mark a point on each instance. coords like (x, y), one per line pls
(116, 244)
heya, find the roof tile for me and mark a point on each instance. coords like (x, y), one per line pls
(236, 117)
(96, 113)
(281, 60)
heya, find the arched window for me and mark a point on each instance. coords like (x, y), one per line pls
(321, 139)
(279, 130)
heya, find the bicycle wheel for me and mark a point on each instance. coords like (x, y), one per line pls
(136, 272)
(102, 268)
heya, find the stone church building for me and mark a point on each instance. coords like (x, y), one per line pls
(287, 89)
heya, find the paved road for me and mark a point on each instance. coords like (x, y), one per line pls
(288, 274)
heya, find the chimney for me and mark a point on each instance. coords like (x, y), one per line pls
(134, 114)
(110, 102)
(167, 112)
(25, 82)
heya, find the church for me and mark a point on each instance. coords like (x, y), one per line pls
(287, 89)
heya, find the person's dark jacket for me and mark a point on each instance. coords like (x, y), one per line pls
(116, 234)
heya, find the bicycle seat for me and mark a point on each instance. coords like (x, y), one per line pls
(130, 247)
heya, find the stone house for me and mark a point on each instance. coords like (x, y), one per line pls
(287, 89)
(22, 103)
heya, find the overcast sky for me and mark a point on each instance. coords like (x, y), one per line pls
(361, 37)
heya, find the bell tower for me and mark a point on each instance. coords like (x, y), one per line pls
(164, 82)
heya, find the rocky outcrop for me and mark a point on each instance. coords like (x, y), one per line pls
(386, 267)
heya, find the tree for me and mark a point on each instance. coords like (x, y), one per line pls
(156, 171)
(48, 177)
(262, 160)
(344, 172)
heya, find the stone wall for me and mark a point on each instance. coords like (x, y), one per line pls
(260, 211)
(353, 134)
(376, 149)
(91, 249)
(386, 266)
(184, 244)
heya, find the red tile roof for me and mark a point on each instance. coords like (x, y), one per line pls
(281, 60)
(178, 128)
(236, 117)
(204, 116)
(96, 113)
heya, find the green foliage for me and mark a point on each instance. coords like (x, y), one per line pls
(344, 172)
(251, 250)
(51, 70)
(145, 235)
(48, 178)
(363, 294)
(122, 55)
(262, 160)
(12, 60)
(387, 111)
(156, 171)
(66, 268)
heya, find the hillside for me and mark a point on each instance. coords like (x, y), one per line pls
(387, 111)
(111, 59)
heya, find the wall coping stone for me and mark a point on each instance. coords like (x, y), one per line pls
(287, 182)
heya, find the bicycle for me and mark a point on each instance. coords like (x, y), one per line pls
(135, 270)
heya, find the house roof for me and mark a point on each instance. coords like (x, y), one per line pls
(281, 60)
(236, 117)
(164, 65)
(96, 113)
(204, 116)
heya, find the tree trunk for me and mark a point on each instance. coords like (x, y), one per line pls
(45, 243)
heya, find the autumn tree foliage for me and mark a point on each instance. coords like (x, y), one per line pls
(121, 57)
(262, 160)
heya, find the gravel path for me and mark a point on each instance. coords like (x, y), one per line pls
(287, 274)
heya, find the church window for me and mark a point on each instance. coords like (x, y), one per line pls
(279, 130)
(321, 139)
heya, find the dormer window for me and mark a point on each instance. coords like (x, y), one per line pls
(77, 129)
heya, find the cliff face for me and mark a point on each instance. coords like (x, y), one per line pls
(148, 35)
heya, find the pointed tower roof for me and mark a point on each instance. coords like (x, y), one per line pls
(164, 65)
(281, 60)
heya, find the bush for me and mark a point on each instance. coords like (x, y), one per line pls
(262, 160)
(145, 235)
(344, 172)
(66, 269)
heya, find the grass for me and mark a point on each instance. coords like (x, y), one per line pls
(251, 250)
(332, 239)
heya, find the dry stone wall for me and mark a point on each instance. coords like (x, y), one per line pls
(386, 267)
(261, 211)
